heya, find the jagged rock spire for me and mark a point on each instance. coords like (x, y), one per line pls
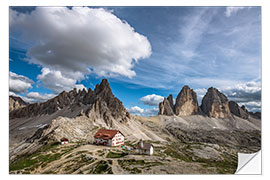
(101, 103)
(215, 104)
(237, 110)
(165, 108)
(186, 102)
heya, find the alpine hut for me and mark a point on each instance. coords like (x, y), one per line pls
(145, 148)
(109, 137)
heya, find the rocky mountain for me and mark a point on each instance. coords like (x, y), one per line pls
(72, 114)
(187, 139)
(100, 103)
(165, 107)
(215, 104)
(238, 111)
(255, 115)
(170, 99)
(186, 104)
(16, 103)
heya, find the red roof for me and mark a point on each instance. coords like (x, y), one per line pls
(63, 139)
(106, 133)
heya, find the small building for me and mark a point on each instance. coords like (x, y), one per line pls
(109, 137)
(64, 140)
(145, 148)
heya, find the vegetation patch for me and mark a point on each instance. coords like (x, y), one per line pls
(33, 161)
(42, 157)
(102, 168)
(226, 166)
(116, 155)
(77, 163)
(134, 166)
(182, 154)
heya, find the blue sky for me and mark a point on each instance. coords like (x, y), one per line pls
(146, 53)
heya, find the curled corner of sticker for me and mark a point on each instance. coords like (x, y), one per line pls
(249, 163)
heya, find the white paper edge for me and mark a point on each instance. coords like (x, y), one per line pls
(249, 163)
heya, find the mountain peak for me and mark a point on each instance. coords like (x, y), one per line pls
(101, 100)
(215, 104)
(186, 102)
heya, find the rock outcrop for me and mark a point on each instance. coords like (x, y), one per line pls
(256, 115)
(186, 102)
(16, 103)
(215, 104)
(165, 108)
(101, 103)
(237, 110)
(170, 99)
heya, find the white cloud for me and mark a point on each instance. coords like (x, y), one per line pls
(151, 112)
(80, 87)
(18, 83)
(143, 112)
(37, 97)
(152, 100)
(135, 110)
(80, 40)
(200, 94)
(57, 81)
(232, 10)
(248, 94)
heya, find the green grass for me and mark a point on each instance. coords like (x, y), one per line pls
(102, 168)
(175, 153)
(125, 165)
(77, 163)
(32, 161)
(115, 155)
(227, 166)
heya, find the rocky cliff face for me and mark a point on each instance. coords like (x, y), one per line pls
(215, 104)
(237, 110)
(16, 103)
(100, 103)
(256, 115)
(186, 102)
(165, 108)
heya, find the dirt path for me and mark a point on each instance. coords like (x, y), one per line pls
(116, 169)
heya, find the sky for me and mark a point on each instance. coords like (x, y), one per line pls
(146, 53)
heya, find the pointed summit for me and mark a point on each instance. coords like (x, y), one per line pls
(165, 108)
(237, 110)
(215, 104)
(170, 99)
(186, 102)
(103, 88)
(101, 102)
